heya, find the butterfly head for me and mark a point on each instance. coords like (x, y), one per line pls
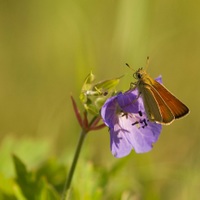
(139, 74)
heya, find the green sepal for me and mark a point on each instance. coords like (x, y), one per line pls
(93, 95)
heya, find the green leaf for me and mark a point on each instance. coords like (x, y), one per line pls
(91, 108)
(86, 182)
(54, 173)
(88, 82)
(20, 168)
(18, 193)
(25, 179)
(47, 191)
(33, 185)
(107, 85)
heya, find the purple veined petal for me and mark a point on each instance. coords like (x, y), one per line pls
(142, 138)
(119, 145)
(128, 102)
(138, 99)
(159, 79)
(108, 111)
(114, 106)
(133, 132)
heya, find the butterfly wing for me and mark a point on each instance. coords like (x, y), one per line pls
(155, 107)
(176, 106)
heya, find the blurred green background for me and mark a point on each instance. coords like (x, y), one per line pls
(46, 50)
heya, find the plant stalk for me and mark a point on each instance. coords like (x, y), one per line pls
(73, 166)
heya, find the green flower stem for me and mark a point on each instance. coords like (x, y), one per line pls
(73, 166)
(76, 156)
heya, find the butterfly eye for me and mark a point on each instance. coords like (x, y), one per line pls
(139, 75)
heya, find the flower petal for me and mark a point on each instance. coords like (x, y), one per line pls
(128, 135)
(128, 102)
(119, 145)
(159, 79)
(108, 111)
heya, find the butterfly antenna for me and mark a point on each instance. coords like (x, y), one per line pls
(129, 66)
(147, 63)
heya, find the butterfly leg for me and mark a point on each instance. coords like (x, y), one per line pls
(133, 86)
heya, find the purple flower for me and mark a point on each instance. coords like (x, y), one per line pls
(128, 124)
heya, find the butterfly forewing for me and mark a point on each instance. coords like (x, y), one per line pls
(176, 106)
